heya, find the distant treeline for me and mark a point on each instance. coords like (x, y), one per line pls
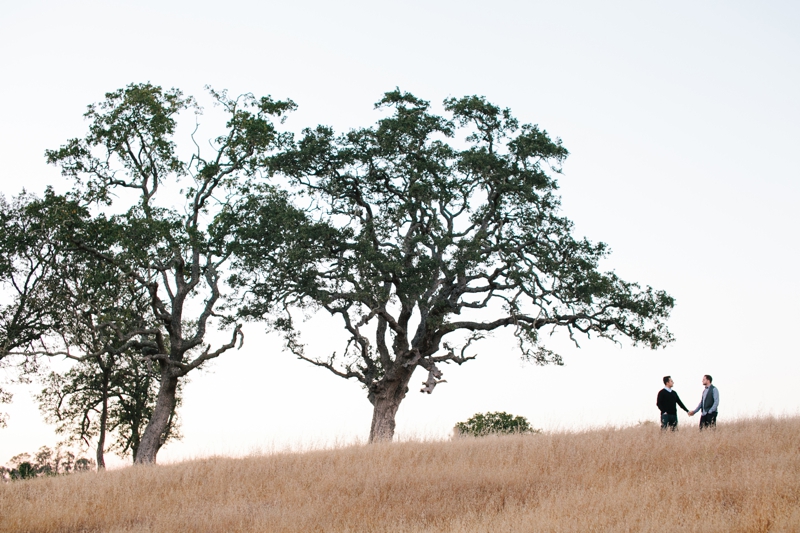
(44, 462)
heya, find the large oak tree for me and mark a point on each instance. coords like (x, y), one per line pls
(445, 227)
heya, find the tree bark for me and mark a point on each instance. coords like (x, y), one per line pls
(159, 421)
(101, 439)
(385, 397)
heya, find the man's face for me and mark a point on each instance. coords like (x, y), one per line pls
(670, 383)
(706, 383)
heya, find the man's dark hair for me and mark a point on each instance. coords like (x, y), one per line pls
(667, 378)
(709, 378)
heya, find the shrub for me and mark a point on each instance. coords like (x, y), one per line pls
(501, 423)
(24, 471)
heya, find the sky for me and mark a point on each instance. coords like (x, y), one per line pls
(681, 118)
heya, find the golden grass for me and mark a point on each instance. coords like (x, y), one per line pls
(743, 477)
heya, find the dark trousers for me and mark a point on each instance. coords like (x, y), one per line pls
(708, 420)
(669, 421)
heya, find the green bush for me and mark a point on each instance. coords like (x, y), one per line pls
(24, 471)
(500, 423)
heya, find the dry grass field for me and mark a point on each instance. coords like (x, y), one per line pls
(742, 477)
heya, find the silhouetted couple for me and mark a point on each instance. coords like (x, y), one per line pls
(668, 402)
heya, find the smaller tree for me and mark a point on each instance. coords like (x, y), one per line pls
(127, 168)
(102, 397)
(46, 462)
(21, 467)
(496, 423)
(103, 322)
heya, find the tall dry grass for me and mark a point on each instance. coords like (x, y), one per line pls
(743, 477)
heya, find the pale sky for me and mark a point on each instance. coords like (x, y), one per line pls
(683, 123)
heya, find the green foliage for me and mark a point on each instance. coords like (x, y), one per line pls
(421, 233)
(31, 257)
(167, 247)
(24, 471)
(443, 227)
(159, 224)
(32, 260)
(74, 304)
(498, 423)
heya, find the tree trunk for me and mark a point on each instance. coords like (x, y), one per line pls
(101, 438)
(159, 421)
(386, 397)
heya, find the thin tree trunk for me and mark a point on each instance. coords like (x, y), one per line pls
(159, 421)
(101, 439)
(386, 401)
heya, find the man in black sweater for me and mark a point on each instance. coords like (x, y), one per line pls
(667, 403)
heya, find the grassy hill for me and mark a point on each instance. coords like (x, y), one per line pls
(742, 477)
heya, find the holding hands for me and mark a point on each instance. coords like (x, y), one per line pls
(691, 413)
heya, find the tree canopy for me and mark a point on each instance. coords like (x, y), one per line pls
(31, 265)
(156, 211)
(443, 228)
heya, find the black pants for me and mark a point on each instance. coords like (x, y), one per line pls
(708, 420)
(669, 421)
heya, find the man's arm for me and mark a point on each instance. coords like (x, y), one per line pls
(660, 400)
(716, 400)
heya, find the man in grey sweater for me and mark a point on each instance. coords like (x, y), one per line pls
(709, 403)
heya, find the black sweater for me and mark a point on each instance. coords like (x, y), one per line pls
(667, 400)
